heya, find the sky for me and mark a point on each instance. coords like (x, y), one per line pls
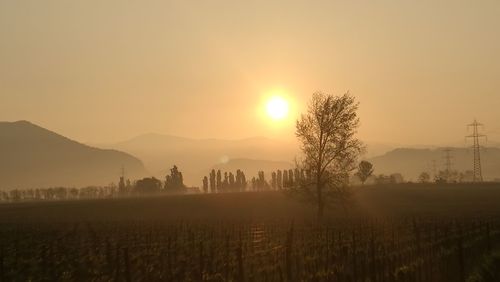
(106, 71)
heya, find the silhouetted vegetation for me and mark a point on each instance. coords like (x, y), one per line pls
(148, 185)
(424, 177)
(365, 170)
(231, 182)
(395, 178)
(329, 147)
(175, 181)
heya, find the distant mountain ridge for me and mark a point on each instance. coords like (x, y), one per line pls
(31, 157)
(34, 157)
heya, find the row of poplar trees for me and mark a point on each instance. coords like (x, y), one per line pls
(217, 182)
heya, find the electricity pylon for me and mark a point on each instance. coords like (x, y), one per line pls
(478, 174)
(447, 163)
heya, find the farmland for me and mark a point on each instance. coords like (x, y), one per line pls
(387, 233)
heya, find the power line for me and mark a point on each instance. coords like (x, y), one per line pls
(478, 174)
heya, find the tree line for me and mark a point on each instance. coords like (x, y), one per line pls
(173, 183)
(282, 179)
(217, 182)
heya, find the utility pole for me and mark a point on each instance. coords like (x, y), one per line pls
(478, 174)
(121, 184)
(123, 172)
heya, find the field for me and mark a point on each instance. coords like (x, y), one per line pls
(392, 233)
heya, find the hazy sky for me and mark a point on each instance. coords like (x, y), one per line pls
(104, 71)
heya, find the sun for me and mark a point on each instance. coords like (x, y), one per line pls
(277, 108)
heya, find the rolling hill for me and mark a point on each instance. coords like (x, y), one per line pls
(412, 161)
(34, 157)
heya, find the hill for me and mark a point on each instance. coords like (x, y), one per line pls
(411, 161)
(33, 157)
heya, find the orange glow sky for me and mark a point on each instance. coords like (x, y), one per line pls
(104, 71)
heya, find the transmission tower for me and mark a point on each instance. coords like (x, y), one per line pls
(478, 175)
(447, 162)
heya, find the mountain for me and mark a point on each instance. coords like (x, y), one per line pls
(196, 157)
(412, 161)
(34, 157)
(374, 149)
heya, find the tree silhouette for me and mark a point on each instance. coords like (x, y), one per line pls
(205, 184)
(447, 176)
(232, 185)
(212, 181)
(290, 178)
(326, 134)
(225, 183)
(261, 182)
(467, 176)
(365, 170)
(279, 175)
(175, 180)
(285, 179)
(297, 176)
(148, 185)
(274, 183)
(424, 177)
(241, 180)
(219, 181)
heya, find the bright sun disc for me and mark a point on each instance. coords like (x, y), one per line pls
(277, 108)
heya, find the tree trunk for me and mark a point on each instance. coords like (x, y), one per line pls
(320, 211)
(321, 205)
(319, 191)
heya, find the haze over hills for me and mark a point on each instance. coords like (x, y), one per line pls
(412, 161)
(196, 157)
(34, 157)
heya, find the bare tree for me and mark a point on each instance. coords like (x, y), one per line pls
(329, 146)
(365, 170)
